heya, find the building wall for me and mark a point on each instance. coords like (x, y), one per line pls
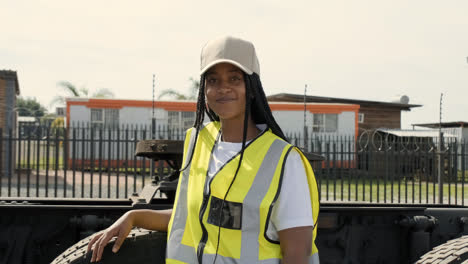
(379, 117)
(293, 122)
(465, 134)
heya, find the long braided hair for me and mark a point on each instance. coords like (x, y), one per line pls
(256, 104)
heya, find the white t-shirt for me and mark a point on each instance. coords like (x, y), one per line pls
(293, 207)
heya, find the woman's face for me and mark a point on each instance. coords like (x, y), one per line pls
(225, 91)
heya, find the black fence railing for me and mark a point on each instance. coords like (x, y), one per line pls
(94, 162)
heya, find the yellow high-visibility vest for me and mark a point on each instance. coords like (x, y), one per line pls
(197, 214)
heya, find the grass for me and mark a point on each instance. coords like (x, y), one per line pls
(381, 191)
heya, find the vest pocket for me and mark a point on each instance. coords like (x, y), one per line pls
(230, 216)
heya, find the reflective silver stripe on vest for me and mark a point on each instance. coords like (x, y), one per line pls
(175, 248)
(253, 199)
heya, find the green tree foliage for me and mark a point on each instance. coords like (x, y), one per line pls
(29, 107)
(73, 91)
(194, 84)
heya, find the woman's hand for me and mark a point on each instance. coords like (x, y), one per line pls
(120, 229)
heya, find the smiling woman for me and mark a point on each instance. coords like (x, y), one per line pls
(245, 194)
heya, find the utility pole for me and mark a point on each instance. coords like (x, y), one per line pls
(153, 133)
(305, 123)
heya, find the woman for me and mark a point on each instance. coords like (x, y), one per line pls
(245, 195)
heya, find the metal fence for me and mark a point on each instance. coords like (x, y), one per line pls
(87, 162)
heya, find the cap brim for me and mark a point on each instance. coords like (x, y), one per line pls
(248, 71)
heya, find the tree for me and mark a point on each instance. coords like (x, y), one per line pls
(195, 84)
(74, 91)
(29, 107)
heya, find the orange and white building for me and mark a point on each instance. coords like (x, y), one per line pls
(321, 118)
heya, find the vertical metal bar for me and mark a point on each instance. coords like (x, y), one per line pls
(427, 172)
(74, 163)
(386, 150)
(126, 162)
(10, 159)
(369, 173)
(109, 161)
(455, 169)
(47, 149)
(411, 173)
(143, 172)
(38, 162)
(118, 163)
(463, 161)
(100, 162)
(18, 165)
(434, 180)
(65, 147)
(376, 170)
(341, 166)
(406, 174)
(398, 167)
(56, 157)
(327, 163)
(392, 173)
(1, 160)
(83, 158)
(135, 136)
(418, 169)
(28, 165)
(333, 166)
(441, 169)
(449, 172)
(91, 161)
(350, 169)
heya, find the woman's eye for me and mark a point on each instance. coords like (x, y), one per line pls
(211, 80)
(235, 78)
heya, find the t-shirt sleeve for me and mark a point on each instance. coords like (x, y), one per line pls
(293, 207)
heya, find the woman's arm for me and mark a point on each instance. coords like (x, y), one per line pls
(148, 219)
(151, 219)
(296, 244)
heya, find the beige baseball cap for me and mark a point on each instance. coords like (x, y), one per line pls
(236, 51)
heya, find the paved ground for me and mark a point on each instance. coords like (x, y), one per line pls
(85, 184)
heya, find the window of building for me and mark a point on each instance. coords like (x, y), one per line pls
(60, 111)
(180, 120)
(325, 123)
(361, 118)
(105, 118)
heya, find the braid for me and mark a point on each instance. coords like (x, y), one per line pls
(248, 101)
(261, 112)
(199, 117)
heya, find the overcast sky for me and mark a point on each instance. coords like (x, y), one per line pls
(363, 49)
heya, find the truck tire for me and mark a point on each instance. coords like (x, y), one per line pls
(141, 246)
(452, 252)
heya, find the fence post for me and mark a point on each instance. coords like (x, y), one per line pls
(440, 169)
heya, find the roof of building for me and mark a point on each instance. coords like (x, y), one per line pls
(286, 97)
(444, 124)
(10, 76)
